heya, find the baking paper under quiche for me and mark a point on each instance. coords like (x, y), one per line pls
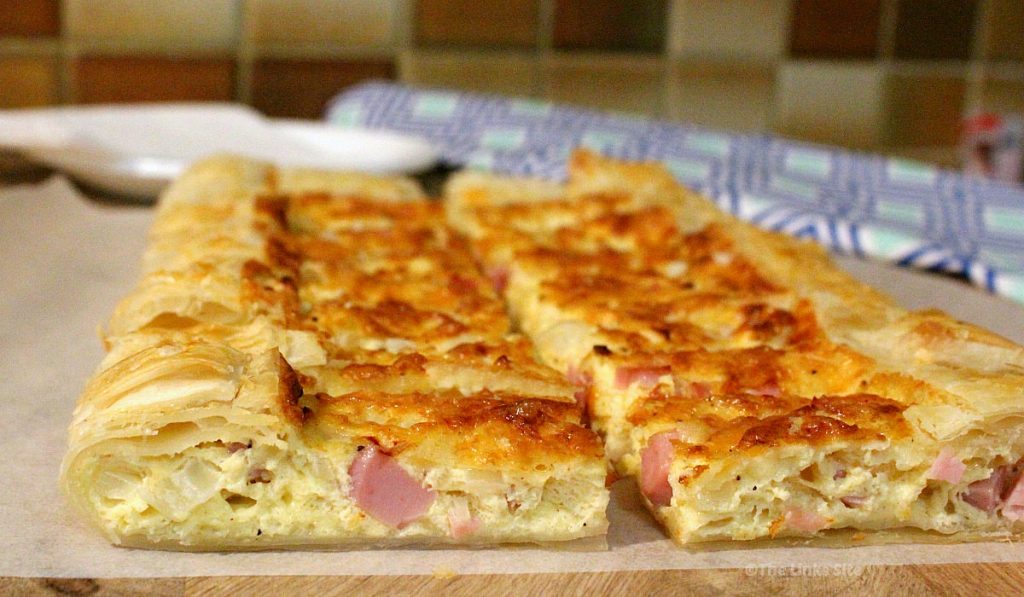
(753, 389)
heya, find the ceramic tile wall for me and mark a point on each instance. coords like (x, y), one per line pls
(487, 23)
(827, 101)
(30, 18)
(354, 23)
(839, 30)
(504, 73)
(731, 97)
(28, 81)
(733, 30)
(610, 25)
(873, 74)
(935, 29)
(301, 88)
(631, 84)
(122, 79)
(1005, 95)
(917, 101)
(1005, 24)
(180, 24)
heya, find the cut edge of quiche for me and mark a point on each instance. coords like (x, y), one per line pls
(312, 360)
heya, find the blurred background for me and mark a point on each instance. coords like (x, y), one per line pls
(897, 76)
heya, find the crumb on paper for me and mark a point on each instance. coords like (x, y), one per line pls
(444, 572)
(102, 335)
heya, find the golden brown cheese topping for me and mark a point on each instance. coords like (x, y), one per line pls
(687, 322)
(642, 281)
(417, 343)
(483, 429)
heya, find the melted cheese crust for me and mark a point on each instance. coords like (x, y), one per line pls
(769, 369)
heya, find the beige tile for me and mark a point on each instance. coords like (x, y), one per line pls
(836, 103)
(621, 84)
(729, 28)
(1003, 96)
(736, 98)
(924, 110)
(190, 23)
(1006, 22)
(505, 74)
(346, 22)
(28, 82)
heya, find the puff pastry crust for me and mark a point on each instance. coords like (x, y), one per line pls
(752, 388)
(314, 359)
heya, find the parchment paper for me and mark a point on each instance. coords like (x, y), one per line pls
(63, 265)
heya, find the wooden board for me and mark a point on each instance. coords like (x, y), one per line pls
(959, 579)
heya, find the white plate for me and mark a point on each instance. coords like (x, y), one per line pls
(302, 143)
(141, 178)
(356, 149)
(921, 290)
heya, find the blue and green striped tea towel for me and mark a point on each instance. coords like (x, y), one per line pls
(905, 212)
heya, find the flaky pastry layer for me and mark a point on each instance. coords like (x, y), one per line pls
(314, 359)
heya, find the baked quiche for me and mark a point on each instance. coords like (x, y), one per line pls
(314, 359)
(752, 389)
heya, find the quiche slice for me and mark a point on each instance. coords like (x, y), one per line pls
(314, 359)
(752, 389)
